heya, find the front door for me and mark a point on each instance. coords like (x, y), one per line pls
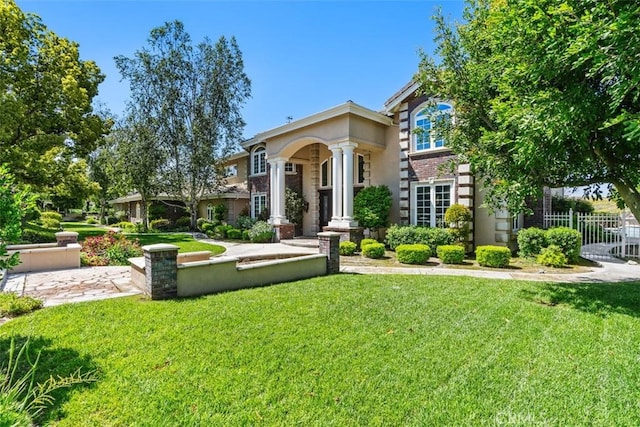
(326, 207)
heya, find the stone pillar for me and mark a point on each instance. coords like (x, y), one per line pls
(314, 208)
(329, 245)
(337, 184)
(347, 184)
(273, 188)
(161, 270)
(65, 238)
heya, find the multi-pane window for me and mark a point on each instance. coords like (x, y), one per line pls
(210, 212)
(258, 204)
(430, 204)
(325, 173)
(231, 171)
(360, 169)
(290, 168)
(426, 122)
(259, 161)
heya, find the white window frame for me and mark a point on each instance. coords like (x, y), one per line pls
(416, 116)
(209, 212)
(433, 219)
(231, 171)
(255, 198)
(290, 168)
(259, 161)
(329, 162)
(517, 222)
(356, 169)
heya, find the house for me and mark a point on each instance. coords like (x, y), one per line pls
(329, 156)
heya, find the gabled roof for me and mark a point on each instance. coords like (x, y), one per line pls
(348, 107)
(397, 98)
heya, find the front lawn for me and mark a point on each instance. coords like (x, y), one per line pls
(350, 350)
(184, 241)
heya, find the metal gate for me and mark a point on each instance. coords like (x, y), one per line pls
(604, 235)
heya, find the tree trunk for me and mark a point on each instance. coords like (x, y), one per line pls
(630, 195)
(194, 214)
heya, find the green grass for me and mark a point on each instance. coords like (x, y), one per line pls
(13, 305)
(350, 350)
(185, 242)
(84, 230)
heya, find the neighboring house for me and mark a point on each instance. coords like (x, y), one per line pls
(234, 195)
(331, 155)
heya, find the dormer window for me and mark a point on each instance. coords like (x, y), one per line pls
(425, 126)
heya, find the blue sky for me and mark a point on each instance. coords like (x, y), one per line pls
(302, 57)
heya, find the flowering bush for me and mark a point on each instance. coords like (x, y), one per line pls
(109, 249)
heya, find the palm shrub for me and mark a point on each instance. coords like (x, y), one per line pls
(373, 250)
(451, 254)
(552, 256)
(493, 256)
(567, 239)
(413, 254)
(261, 232)
(531, 241)
(347, 248)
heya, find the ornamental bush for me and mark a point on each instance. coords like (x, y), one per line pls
(410, 234)
(493, 256)
(160, 224)
(567, 239)
(458, 218)
(50, 219)
(126, 225)
(373, 250)
(183, 222)
(366, 242)
(347, 248)
(261, 232)
(451, 254)
(200, 222)
(234, 233)
(413, 254)
(109, 249)
(531, 241)
(552, 256)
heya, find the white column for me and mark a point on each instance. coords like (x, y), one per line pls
(337, 185)
(272, 191)
(280, 200)
(347, 184)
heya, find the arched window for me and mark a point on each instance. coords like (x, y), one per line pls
(210, 212)
(259, 161)
(425, 126)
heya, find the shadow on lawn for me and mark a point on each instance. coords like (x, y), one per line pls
(53, 362)
(602, 299)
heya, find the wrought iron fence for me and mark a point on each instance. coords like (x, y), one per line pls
(604, 235)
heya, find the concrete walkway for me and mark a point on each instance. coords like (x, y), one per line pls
(95, 283)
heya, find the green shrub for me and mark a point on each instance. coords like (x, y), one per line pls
(50, 223)
(51, 215)
(222, 230)
(32, 236)
(347, 248)
(92, 220)
(200, 223)
(413, 254)
(567, 239)
(261, 232)
(160, 224)
(410, 234)
(451, 254)
(13, 305)
(366, 242)
(209, 228)
(183, 222)
(531, 241)
(109, 249)
(234, 233)
(245, 235)
(371, 207)
(220, 212)
(126, 225)
(493, 256)
(458, 219)
(552, 256)
(245, 222)
(373, 250)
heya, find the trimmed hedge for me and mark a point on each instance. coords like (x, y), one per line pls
(531, 241)
(347, 248)
(493, 256)
(413, 254)
(183, 222)
(451, 254)
(552, 256)
(410, 234)
(160, 224)
(567, 239)
(234, 233)
(373, 250)
(365, 242)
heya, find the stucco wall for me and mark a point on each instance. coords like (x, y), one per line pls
(45, 257)
(385, 170)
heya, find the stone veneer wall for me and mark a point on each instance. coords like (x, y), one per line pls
(314, 198)
(403, 125)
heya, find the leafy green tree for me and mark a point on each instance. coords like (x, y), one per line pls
(191, 95)
(546, 93)
(371, 207)
(105, 169)
(13, 204)
(46, 95)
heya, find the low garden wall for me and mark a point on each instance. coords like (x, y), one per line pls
(48, 256)
(162, 273)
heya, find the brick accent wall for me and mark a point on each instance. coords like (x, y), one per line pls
(329, 245)
(161, 271)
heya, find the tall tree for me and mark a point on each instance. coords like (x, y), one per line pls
(13, 204)
(546, 92)
(192, 95)
(46, 93)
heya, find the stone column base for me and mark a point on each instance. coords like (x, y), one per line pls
(352, 234)
(284, 231)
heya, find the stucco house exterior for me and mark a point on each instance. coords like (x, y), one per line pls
(331, 155)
